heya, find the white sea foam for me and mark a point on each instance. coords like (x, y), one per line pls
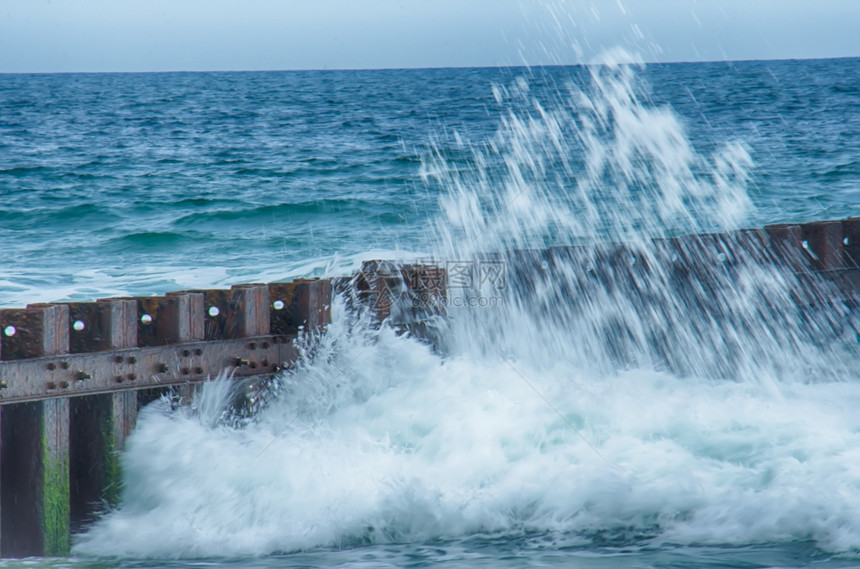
(618, 414)
(381, 440)
(34, 285)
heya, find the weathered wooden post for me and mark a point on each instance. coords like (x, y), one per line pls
(174, 318)
(851, 242)
(99, 424)
(823, 242)
(239, 312)
(304, 303)
(34, 474)
(171, 319)
(785, 242)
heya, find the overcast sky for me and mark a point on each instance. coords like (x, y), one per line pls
(163, 35)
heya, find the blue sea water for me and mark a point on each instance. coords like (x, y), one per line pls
(144, 183)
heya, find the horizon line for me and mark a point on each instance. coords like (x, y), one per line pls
(427, 68)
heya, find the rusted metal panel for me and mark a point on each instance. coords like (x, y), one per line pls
(406, 296)
(122, 318)
(339, 285)
(851, 241)
(750, 246)
(34, 500)
(216, 307)
(92, 458)
(319, 302)
(847, 281)
(185, 393)
(286, 314)
(52, 504)
(38, 330)
(429, 283)
(302, 304)
(823, 242)
(99, 424)
(102, 325)
(707, 251)
(379, 286)
(19, 468)
(171, 319)
(239, 312)
(124, 416)
(786, 243)
(188, 318)
(1, 481)
(144, 367)
(87, 331)
(251, 309)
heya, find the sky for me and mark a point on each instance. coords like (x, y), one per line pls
(211, 35)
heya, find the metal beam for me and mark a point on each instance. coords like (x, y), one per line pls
(69, 375)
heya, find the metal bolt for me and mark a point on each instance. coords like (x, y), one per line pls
(132, 360)
(198, 370)
(241, 362)
(118, 359)
(64, 365)
(82, 375)
(161, 367)
(51, 366)
(198, 351)
(3, 385)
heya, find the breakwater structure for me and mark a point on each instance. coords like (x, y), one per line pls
(73, 374)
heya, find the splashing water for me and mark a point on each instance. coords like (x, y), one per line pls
(709, 415)
(603, 166)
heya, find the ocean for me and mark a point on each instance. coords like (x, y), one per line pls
(600, 429)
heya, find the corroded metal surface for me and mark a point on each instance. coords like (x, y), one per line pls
(69, 375)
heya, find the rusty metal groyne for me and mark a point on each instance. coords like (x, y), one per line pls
(72, 375)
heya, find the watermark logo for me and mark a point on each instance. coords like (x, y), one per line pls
(475, 274)
(468, 284)
(432, 286)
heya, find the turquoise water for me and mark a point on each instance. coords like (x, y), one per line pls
(122, 183)
(547, 432)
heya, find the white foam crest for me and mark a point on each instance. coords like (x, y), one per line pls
(34, 285)
(379, 440)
